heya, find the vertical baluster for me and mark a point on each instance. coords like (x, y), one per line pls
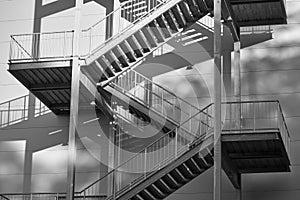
(190, 121)
(8, 113)
(254, 128)
(64, 44)
(162, 101)
(90, 40)
(176, 141)
(145, 162)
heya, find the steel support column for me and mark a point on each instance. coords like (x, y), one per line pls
(74, 104)
(217, 100)
(237, 95)
(237, 81)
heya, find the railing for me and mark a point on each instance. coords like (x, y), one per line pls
(59, 45)
(46, 196)
(35, 196)
(155, 156)
(256, 29)
(36, 46)
(154, 96)
(117, 22)
(256, 117)
(17, 110)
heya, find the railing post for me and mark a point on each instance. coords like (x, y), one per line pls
(176, 141)
(190, 120)
(8, 113)
(162, 102)
(24, 108)
(10, 48)
(64, 45)
(254, 128)
(145, 163)
(90, 41)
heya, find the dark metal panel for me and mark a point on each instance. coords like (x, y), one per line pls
(60, 75)
(28, 77)
(53, 75)
(46, 75)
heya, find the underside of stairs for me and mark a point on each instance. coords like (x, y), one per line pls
(127, 50)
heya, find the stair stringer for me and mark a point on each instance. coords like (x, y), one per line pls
(206, 143)
(112, 42)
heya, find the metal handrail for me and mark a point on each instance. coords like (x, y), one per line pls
(161, 2)
(165, 89)
(33, 39)
(163, 136)
(224, 103)
(16, 110)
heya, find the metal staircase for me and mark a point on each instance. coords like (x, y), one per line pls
(163, 166)
(183, 148)
(130, 45)
(135, 99)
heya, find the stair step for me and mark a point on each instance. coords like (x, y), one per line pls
(171, 182)
(118, 53)
(126, 49)
(112, 59)
(137, 197)
(94, 70)
(142, 41)
(178, 16)
(164, 187)
(145, 194)
(170, 20)
(103, 63)
(149, 37)
(156, 32)
(163, 27)
(185, 11)
(156, 192)
(201, 162)
(202, 6)
(177, 175)
(209, 4)
(135, 46)
(194, 166)
(194, 9)
(185, 171)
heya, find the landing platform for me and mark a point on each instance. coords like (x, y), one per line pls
(257, 151)
(259, 12)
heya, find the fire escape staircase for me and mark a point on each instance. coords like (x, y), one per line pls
(184, 150)
(164, 165)
(127, 50)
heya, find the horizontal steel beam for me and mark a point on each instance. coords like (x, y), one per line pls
(250, 137)
(45, 87)
(233, 2)
(255, 155)
(265, 169)
(262, 22)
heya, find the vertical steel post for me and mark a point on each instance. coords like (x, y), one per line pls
(237, 81)
(176, 141)
(237, 96)
(74, 104)
(217, 100)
